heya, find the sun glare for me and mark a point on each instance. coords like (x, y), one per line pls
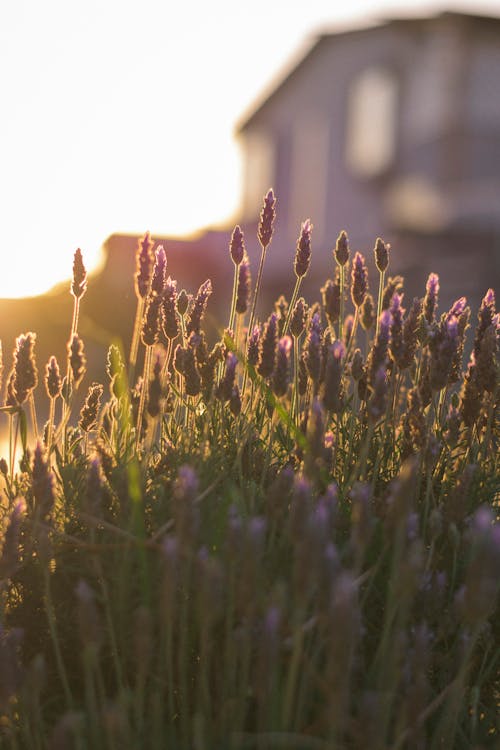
(120, 119)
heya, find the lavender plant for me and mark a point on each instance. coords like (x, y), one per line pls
(287, 537)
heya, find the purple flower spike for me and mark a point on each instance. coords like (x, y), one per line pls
(303, 253)
(237, 246)
(158, 280)
(359, 283)
(457, 308)
(431, 297)
(267, 216)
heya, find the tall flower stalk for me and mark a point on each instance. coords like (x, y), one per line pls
(144, 269)
(381, 252)
(301, 266)
(264, 233)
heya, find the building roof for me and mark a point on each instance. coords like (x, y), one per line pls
(313, 45)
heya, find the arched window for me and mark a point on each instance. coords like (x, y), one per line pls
(371, 122)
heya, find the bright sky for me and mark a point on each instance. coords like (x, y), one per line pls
(118, 115)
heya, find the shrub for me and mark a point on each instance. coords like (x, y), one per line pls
(289, 539)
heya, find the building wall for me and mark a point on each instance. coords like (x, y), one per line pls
(447, 144)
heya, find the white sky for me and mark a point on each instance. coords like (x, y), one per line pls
(118, 115)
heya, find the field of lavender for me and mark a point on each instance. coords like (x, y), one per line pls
(286, 538)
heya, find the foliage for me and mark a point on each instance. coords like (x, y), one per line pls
(289, 539)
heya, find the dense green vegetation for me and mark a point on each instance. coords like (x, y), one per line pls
(288, 539)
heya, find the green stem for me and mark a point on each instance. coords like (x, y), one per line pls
(233, 298)
(134, 348)
(379, 301)
(144, 387)
(292, 304)
(254, 305)
(31, 400)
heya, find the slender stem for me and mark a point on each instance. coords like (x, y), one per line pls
(134, 347)
(379, 301)
(257, 289)
(292, 304)
(144, 387)
(254, 306)
(11, 452)
(31, 400)
(50, 432)
(233, 298)
(76, 313)
(341, 315)
(295, 396)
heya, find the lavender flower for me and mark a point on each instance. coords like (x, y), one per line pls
(253, 347)
(410, 335)
(183, 302)
(485, 318)
(456, 367)
(431, 297)
(190, 371)
(225, 388)
(53, 382)
(169, 314)
(79, 284)
(341, 251)
(268, 342)
(159, 268)
(331, 300)
(381, 251)
(357, 366)
(487, 360)
(368, 314)
(303, 252)
(443, 344)
(243, 289)
(90, 409)
(378, 356)
(144, 261)
(298, 318)
(25, 372)
(267, 217)
(394, 284)
(457, 308)
(281, 376)
(281, 310)
(237, 246)
(199, 307)
(312, 349)
(150, 330)
(359, 280)
(332, 395)
(396, 347)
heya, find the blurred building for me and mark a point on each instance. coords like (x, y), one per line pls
(392, 131)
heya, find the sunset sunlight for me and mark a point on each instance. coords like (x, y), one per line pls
(117, 119)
